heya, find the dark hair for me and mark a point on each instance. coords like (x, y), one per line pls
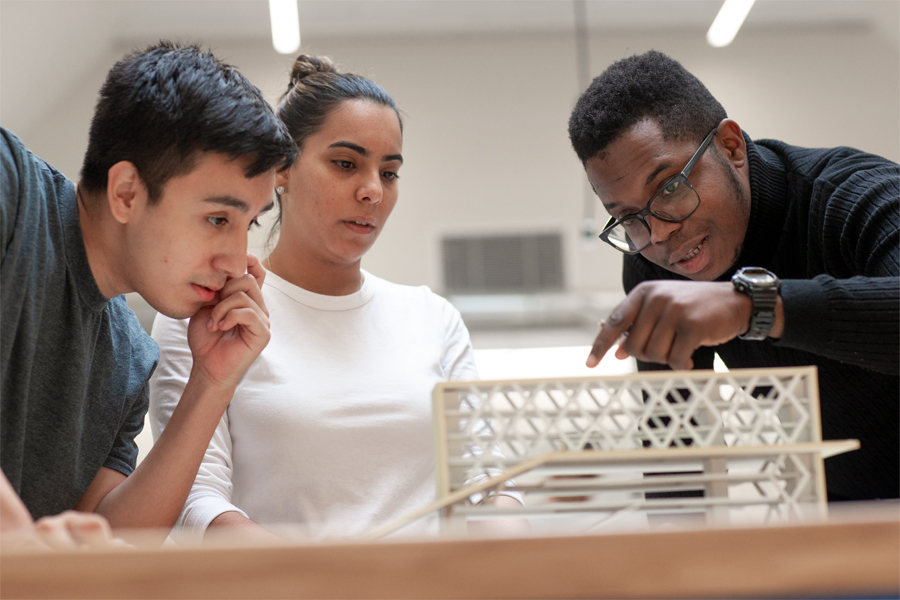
(160, 108)
(315, 89)
(650, 85)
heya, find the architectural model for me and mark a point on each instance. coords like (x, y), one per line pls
(744, 442)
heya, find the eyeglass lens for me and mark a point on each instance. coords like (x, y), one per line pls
(674, 203)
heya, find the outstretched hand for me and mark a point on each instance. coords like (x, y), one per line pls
(227, 336)
(66, 531)
(70, 530)
(664, 322)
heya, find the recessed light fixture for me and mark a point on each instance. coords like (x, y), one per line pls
(727, 23)
(285, 20)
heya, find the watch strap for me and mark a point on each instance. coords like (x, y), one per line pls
(764, 296)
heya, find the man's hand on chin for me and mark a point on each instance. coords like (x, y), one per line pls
(226, 338)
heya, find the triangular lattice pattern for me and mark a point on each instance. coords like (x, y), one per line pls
(491, 426)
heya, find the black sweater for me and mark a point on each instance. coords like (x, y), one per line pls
(826, 222)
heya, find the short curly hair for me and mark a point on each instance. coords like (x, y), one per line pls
(650, 85)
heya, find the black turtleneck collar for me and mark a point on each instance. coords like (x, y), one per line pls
(768, 191)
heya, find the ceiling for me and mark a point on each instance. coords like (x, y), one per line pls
(49, 46)
(249, 18)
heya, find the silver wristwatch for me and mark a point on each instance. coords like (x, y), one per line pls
(762, 286)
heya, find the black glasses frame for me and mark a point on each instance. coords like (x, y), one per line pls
(682, 177)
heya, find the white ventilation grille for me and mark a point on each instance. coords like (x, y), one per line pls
(503, 264)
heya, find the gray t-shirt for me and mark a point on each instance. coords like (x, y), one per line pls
(75, 366)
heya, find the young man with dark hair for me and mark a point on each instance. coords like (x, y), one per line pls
(763, 253)
(181, 161)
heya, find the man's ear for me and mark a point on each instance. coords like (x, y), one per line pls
(731, 143)
(125, 191)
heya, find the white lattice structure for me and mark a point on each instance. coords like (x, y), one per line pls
(657, 441)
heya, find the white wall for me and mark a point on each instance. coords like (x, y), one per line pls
(485, 140)
(486, 122)
(485, 115)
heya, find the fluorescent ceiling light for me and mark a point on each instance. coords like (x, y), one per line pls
(285, 25)
(727, 23)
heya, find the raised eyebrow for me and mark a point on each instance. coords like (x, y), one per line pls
(351, 146)
(650, 178)
(364, 152)
(659, 169)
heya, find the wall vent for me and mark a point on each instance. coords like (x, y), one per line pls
(503, 264)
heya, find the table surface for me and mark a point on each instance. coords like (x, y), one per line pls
(855, 552)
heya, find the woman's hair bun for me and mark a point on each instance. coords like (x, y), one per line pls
(307, 65)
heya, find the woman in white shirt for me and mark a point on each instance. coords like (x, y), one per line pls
(330, 429)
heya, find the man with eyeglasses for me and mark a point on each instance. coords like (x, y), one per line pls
(763, 253)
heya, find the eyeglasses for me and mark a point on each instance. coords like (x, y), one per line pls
(673, 202)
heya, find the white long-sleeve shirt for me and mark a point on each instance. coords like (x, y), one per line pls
(330, 429)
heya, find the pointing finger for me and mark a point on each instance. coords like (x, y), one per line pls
(617, 325)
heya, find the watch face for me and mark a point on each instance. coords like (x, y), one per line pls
(756, 276)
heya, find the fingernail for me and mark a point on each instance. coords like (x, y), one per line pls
(210, 324)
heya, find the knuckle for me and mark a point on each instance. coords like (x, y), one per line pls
(648, 288)
(43, 526)
(649, 356)
(683, 330)
(48, 524)
(615, 318)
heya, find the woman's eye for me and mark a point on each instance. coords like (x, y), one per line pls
(671, 188)
(217, 221)
(344, 164)
(390, 175)
(254, 223)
